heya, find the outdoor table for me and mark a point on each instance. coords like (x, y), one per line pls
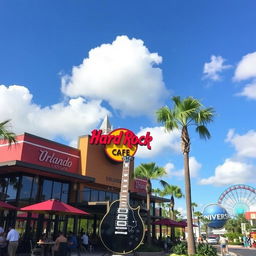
(46, 246)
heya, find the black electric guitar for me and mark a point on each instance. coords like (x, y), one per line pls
(122, 229)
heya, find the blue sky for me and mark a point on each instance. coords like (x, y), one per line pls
(66, 64)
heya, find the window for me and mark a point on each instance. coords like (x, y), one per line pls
(64, 194)
(102, 195)
(25, 188)
(94, 195)
(34, 192)
(12, 188)
(47, 190)
(108, 196)
(56, 192)
(115, 196)
(3, 187)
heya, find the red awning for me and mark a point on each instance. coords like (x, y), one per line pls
(53, 206)
(5, 206)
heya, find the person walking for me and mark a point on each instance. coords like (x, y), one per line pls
(13, 239)
(223, 246)
(3, 244)
(85, 241)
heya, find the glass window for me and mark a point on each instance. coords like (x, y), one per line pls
(64, 195)
(56, 192)
(12, 188)
(94, 195)
(3, 186)
(34, 188)
(47, 190)
(115, 196)
(86, 195)
(108, 196)
(102, 195)
(25, 188)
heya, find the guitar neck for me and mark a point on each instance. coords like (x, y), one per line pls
(124, 193)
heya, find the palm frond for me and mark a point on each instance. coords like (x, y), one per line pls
(6, 134)
(204, 116)
(203, 132)
(167, 117)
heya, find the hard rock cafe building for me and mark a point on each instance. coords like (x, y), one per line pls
(36, 169)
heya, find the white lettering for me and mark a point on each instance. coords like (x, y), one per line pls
(45, 156)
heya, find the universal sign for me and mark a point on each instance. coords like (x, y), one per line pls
(216, 215)
(120, 142)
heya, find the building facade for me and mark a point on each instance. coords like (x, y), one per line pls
(36, 169)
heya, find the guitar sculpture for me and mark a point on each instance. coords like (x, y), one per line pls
(122, 229)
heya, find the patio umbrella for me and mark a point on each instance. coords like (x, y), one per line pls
(170, 223)
(53, 206)
(5, 206)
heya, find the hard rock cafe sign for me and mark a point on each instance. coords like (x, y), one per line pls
(120, 142)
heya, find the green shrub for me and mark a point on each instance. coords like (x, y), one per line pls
(206, 250)
(180, 248)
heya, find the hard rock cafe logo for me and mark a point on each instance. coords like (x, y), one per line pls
(120, 142)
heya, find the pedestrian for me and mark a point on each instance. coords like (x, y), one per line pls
(85, 241)
(13, 239)
(245, 240)
(73, 244)
(223, 245)
(3, 244)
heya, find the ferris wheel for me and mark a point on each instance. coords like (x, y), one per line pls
(238, 199)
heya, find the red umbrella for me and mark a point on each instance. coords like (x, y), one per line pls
(170, 223)
(53, 206)
(5, 206)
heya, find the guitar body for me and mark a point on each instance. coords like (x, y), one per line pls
(121, 230)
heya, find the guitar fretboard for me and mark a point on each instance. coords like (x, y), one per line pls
(124, 193)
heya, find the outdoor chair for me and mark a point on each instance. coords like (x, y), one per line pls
(35, 250)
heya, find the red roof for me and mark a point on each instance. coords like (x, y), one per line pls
(55, 207)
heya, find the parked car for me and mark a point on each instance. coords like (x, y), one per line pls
(212, 240)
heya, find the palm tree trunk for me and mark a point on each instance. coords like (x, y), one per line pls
(191, 241)
(185, 147)
(148, 213)
(172, 228)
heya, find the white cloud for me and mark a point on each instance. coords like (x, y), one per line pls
(245, 144)
(246, 68)
(169, 167)
(123, 73)
(249, 91)
(162, 141)
(67, 120)
(231, 172)
(194, 167)
(213, 68)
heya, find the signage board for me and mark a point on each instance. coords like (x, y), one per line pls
(120, 142)
(216, 215)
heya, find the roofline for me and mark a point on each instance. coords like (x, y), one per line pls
(48, 170)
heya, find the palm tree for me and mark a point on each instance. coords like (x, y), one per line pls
(173, 191)
(6, 134)
(149, 171)
(185, 113)
(199, 216)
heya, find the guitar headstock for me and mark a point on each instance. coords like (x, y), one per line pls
(127, 159)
